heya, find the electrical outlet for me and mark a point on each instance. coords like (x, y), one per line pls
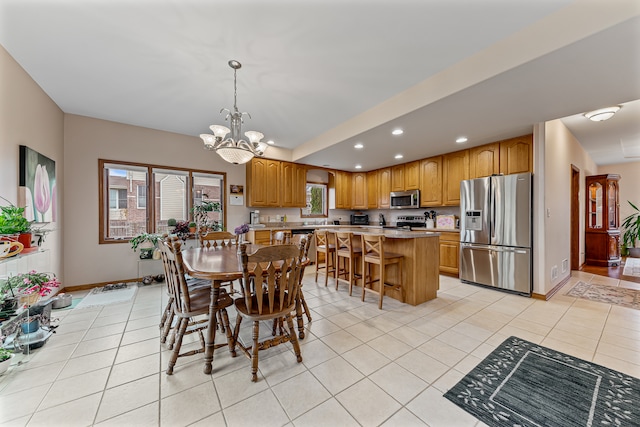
(565, 265)
(554, 272)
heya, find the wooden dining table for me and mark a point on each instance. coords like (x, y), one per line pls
(219, 265)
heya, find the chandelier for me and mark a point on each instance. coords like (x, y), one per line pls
(234, 149)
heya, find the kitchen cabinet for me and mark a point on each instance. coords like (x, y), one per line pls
(431, 182)
(384, 188)
(412, 175)
(484, 160)
(516, 155)
(359, 190)
(259, 237)
(602, 227)
(449, 252)
(343, 189)
(397, 178)
(455, 168)
(263, 182)
(372, 189)
(293, 179)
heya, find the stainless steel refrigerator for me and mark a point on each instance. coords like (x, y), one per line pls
(496, 233)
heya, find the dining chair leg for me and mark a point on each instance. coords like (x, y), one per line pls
(220, 322)
(293, 339)
(166, 312)
(167, 327)
(181, 328)
(299, 316)
(236, 333)
(254, 351)
(230, 342)
(304, 305)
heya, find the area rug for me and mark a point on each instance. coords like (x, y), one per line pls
(631, 267)
(524, 384)
(607, 294)
(108, 295)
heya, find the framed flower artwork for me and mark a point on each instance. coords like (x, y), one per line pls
(37, 192)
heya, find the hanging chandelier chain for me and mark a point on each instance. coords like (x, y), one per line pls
(235, 90)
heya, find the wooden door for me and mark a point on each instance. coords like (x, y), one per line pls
(372, 190)
(455, 169)
(287, 181)
(516, 155)
(397, 178)
(449, 253)
(273, 183)
(384, 188)
(484, 160)
(343, 190)
(431, 182)
(256, 172)
(300, 186)
(412, 175)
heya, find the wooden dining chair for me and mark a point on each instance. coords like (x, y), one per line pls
(350, 257)
(270, 282)
(373, 253)
(281, 238)
(327, 248)
(190, 306)
(216, 239)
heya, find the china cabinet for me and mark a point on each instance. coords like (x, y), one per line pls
(602, 225)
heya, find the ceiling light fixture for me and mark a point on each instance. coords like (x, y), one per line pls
(399, 156)
(359, 145)
(270, 142)
(234, 149)
(358, 166)
(461, 139)
(397, 132)
(602, 114)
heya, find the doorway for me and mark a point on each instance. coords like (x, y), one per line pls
(575, 218)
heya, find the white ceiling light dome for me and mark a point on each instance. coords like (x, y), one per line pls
(602, 114)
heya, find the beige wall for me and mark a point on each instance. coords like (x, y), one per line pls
(87, 140)
(561, 150)
(629, 184)
(29, 117)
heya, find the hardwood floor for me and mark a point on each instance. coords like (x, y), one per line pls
(615, 272)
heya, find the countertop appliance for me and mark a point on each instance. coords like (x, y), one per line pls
(411, 222)
(382, 221)
(496, 232)
(254, 217)
(359, 219)
(405, 199)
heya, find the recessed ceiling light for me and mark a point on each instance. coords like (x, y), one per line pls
(270, 142)
(399, 156)
(358, 166)
(461, 139)
(359, 145)
(602, 114)
(397, 132)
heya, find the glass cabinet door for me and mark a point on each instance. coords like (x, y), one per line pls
(595, 205)
(612, 205)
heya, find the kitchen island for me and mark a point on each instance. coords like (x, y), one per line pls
(420, 274)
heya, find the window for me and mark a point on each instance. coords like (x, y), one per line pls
(316, 200)
(138, 198)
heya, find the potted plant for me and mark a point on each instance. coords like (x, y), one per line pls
(13, 222)
(201, 215)
(5, 360)
(631, 235)
(192, 227)
(146, 242)
(30, 286)
(181, 229)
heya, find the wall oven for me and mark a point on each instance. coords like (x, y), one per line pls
(405, 199)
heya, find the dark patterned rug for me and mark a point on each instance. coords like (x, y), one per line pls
(524, 384)
(607, 294)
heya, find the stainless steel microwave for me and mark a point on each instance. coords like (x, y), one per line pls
(405, 199)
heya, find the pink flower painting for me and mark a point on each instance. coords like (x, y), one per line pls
(37, 192)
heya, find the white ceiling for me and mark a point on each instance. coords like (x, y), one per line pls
(318, 76)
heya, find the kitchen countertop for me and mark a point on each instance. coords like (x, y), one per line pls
(357, 227)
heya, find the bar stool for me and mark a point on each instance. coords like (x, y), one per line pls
(328, 249)
(348, 254)
(373, 253)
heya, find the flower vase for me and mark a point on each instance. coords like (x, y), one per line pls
(30, 327)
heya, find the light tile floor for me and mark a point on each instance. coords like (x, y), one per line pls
(361, 366)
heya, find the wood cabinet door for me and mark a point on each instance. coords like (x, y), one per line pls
(272, 183)
(431, 182)
(384, 188)
(449, 253)
(412, 175)
(300, 186)
(397, 178)
(372, 189)
(484, 160)
(455, 168)
(287, 181)
(516, 155)
(359, 191)
(343, 190)
(256, 172)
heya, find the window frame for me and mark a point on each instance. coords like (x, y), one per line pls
(325, 205)
(103, 195)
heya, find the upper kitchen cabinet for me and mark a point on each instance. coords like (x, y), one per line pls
(412, 175)
(384, 188)
(372, 189)
(359, 190)
(431, 182)
(397, 178)
(343, 189)
(516, 155)
(293, 185)
(263, 182)
(602, 229)
(484, 160)
(455, 168)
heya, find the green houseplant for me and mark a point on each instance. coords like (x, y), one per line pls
(146, 242)
(5, 360)
(631, 234)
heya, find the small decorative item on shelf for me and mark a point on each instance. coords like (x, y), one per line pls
(13, 223)
(146, 242)
(181, 229)
(240, 231)
(192, 227)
